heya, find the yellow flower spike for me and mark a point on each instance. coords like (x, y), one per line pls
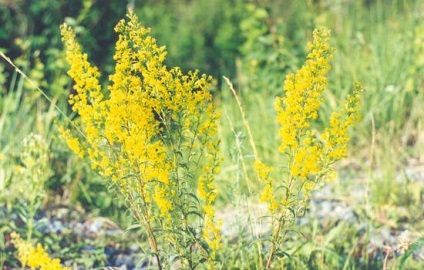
(303, 92)
(336, 136)
(267, 194)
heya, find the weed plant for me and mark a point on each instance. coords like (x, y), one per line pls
(155, 139)
(388, 64)
(27, 161)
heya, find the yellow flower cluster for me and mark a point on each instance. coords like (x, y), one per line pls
(310, 156)
(268, 193)
(207, 193)
(153, 133)
(336, 136)
(303, 92)
(307, 157)
(34, 257)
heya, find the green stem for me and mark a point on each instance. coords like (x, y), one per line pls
(152, 238)
(274, 242)
(31, 215)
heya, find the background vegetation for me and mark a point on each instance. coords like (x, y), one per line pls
(255, 44)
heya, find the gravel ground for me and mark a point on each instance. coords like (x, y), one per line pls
(246, 219)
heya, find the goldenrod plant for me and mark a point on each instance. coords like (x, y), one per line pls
(154, 136)
(34, 257)
(33, 173)
(310, 154)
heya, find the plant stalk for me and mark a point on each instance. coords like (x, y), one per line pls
(274, 240)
